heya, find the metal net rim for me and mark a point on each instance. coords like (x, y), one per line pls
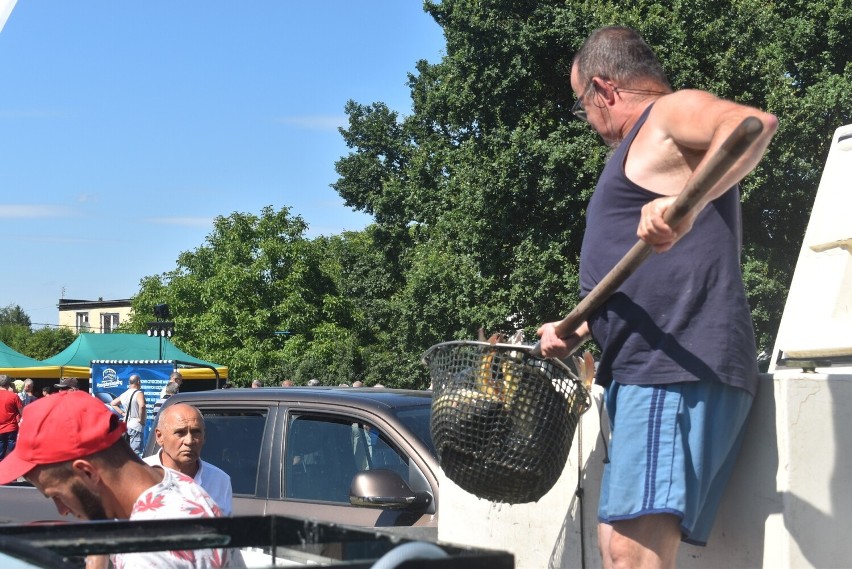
(528, 348)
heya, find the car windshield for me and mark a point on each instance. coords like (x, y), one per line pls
(417, 421)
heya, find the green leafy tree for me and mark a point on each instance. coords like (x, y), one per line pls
(17, 333)
(47, 342)
(14, 327)
(480, 192)
(256, 285)
(15, 315)
(15, 336)
(366, 272)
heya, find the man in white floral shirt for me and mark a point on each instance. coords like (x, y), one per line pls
(71, 448)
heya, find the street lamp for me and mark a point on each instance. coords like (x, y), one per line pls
(161, 328)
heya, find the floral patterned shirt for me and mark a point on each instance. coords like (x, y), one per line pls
(177, 496)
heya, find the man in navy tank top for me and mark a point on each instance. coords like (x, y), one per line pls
(677, 344)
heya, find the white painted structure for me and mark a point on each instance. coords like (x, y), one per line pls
(789, 504)
(817, 319)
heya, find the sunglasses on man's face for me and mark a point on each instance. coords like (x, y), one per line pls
(578, 110)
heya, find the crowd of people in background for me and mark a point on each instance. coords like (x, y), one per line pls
(14, 396)
(313, 382)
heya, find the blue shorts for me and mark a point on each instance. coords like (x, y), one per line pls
(672, 451)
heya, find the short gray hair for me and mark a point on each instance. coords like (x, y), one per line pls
(619, 53)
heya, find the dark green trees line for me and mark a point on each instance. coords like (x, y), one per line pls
(478, 195)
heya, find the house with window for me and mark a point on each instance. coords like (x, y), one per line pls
(97, 316)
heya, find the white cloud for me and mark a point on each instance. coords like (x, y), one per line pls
(315, 122)
(33, 211)
(88, 198)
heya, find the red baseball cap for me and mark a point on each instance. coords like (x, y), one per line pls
(59, 428)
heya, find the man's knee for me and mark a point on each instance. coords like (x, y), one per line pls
(648, 541)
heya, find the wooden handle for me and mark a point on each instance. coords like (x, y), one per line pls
(696, 188)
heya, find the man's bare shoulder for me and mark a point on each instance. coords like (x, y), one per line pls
(691, 118)
(679, 114)
(662, 155)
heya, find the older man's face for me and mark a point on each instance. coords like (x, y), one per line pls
(180, 433)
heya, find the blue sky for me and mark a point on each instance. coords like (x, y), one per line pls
(126, 127)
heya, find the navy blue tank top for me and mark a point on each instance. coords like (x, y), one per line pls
(683, 315)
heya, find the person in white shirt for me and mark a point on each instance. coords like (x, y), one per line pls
(180, 434)
(131, 404)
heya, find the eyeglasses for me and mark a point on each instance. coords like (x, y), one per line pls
(578, 110)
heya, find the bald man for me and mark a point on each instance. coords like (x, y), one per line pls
(180, 435)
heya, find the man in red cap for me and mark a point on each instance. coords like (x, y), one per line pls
(70, 447)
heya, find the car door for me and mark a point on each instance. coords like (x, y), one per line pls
(322, 453)
(238, 440)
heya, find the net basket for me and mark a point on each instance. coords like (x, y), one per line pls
(502, 419)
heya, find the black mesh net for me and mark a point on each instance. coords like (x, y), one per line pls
(502, 419)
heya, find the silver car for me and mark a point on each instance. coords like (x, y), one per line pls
(355, 456)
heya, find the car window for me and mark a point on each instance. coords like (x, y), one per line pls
(419, 421)
(323, 454)
(233, 443)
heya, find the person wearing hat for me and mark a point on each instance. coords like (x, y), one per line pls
(67, 384)
(71, 449)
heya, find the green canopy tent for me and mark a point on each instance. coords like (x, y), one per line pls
(17, 365)
(75, 360)
(9, 358)
(88, 347)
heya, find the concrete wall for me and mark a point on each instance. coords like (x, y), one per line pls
(789, 504)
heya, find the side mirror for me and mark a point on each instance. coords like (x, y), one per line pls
(382, 488)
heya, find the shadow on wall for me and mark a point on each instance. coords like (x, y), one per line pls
(829, 546)
(577, 542)
(739, 534)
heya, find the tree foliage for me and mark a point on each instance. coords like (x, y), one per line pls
(256, 285)
(17, 333)
(47, 342)
(13, 314)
